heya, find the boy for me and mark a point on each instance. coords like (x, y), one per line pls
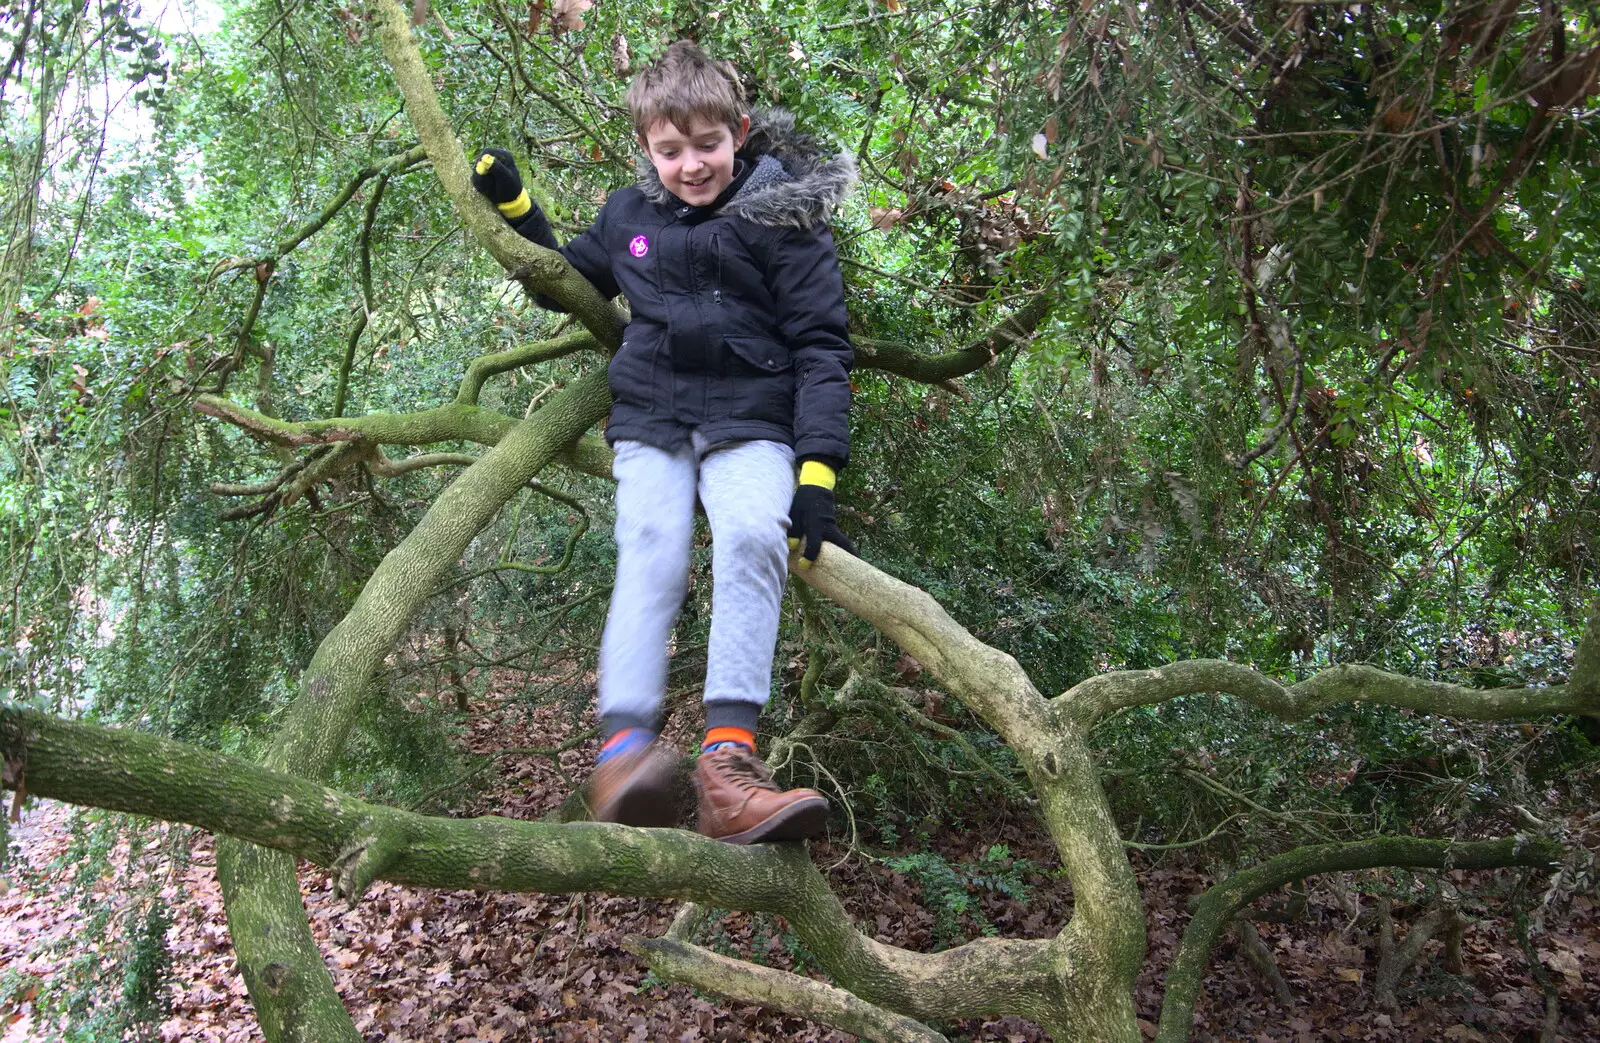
(734, 367)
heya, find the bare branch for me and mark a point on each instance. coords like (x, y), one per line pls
(451, 423)
(904, 361)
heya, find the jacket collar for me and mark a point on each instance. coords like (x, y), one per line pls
(786, 179)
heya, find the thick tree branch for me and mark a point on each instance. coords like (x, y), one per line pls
(988, 680)
(541, 271)
(288, 983)
(361, 842)
(456, 422)
(780, 990)
(1105, 939)
(1218, 906)
(1094, 697)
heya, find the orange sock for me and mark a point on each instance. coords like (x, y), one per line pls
(717, 736)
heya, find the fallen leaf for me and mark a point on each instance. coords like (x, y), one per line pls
(1564, 963)
(1465, 1034)
(568, 14)
(1349, 973)
(883, 218)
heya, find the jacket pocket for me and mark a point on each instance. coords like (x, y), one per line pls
(759, 354)
(760, 381)
(631, 375)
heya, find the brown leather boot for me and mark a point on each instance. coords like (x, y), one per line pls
(634, 788)
(740, 804)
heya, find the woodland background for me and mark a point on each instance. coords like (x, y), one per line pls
(1311, 376)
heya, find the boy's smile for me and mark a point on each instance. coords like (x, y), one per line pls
(697, 166)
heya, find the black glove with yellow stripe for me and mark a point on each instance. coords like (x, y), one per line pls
(811, 516)
(494, 173)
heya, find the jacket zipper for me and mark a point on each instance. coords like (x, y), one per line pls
(716, 251)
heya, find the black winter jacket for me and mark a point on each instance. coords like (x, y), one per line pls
(738, 325)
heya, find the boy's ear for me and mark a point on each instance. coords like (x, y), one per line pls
(743, 132)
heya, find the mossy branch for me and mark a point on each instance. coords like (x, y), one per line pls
(143, 774)
(541, 271)
(904, 361)
(483, 367)
(781, 990)
(1217, 907)
(456, 422)
(1093, 698)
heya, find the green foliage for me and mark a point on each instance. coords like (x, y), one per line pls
(1083, 502)
(949, 890)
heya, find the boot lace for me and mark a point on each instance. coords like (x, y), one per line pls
(746, 771)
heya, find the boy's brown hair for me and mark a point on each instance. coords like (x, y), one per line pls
(682, 85)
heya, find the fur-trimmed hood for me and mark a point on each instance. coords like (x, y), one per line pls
(795, 183)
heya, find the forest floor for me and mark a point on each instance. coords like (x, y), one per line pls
(441, 965)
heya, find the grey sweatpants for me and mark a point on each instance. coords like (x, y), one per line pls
(746, 489)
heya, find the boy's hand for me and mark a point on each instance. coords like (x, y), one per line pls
(495, 175)
(811, 517)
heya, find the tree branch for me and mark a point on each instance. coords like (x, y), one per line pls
(452, 423)
(780, 990)
(1395, 959)
(1234, 31)
(541, 271)
(361, 842)
(1094, 697)
(386, 167)
(384, 467)
(1217, 906)
(902, 360)
(483, 367)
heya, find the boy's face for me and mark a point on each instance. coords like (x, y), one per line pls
(697, 166)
